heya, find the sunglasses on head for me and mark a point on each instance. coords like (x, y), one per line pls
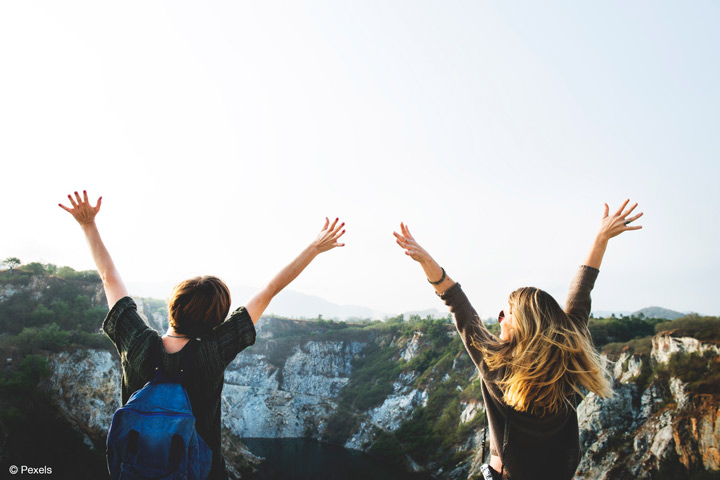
(501, 316)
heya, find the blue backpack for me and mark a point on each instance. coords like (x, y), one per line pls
(153, 435)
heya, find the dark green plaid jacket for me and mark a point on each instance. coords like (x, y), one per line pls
(137, 345)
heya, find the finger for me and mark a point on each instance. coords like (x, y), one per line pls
(64, 207)
(339, 234)
(409, 235)
(622, 207)
(629, 220)
(72, 201)
(398, 236)
(85, 197)
(332, 227)
(636, 227)
(77, 196)
(403, 229)
(399, 243)
(630, 211)
(327, 222)
(339, 227)
(99, 202)
(607, 211)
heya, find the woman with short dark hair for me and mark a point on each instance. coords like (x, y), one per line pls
(197, 310)
(535, 370)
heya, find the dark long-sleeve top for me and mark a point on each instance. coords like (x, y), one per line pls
(137, 345)
(538, 447)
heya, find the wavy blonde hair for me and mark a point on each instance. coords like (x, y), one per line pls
(548, 358)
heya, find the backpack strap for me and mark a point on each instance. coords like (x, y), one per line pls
(189, 351)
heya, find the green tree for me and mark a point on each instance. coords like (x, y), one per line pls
(35, 268)
(11, 263)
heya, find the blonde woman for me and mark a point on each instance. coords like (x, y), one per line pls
(534, 372)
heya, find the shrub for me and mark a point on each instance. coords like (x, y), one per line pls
(702, 328)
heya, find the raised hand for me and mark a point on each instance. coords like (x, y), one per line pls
(326, 240)
(328, 237)
(435, 274)
(617, 223)
(611, 226)
(410, 245)
(81, 209)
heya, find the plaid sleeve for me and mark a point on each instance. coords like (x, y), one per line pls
(123, 324)
(234, 335)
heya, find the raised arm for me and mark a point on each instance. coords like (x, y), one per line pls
(611, 226)
(84, 214)
(578, 303)
(468, 323)
(326, 240)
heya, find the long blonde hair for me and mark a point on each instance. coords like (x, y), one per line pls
(548, 358)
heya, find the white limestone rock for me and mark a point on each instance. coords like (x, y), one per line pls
(86, 387)
(412, 347)
(665, 345)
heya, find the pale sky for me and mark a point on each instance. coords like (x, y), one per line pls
(220, 135)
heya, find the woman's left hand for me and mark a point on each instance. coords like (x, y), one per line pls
(82, 211)
(328, 237)
(410, 245)
(617, 223)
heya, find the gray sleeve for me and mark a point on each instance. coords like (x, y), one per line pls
(471, 329)
(578, 302)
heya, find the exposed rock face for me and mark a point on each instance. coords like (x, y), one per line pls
(396, 408)
(627, 367)
(632, 434)
(86, 384)
(291, 396)
(665, 345)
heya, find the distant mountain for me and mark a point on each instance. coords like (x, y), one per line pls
(430, 312)
(610, 313)
(300, 305)
(658, 312)
(648, 312)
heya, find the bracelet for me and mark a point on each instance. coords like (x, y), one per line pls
(441, 278)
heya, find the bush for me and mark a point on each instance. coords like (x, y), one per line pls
(638, 346)
(612, 330)
(700, 372)
(48, 337)
(702, 328)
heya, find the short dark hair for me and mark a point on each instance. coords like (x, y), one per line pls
(198, 305)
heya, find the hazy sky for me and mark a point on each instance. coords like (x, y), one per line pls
(220, 134)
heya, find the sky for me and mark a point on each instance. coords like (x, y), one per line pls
(221, 134)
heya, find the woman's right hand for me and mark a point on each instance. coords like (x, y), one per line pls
(410, 245)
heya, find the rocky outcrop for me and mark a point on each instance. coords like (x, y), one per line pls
(86, 386)
(637, 434)
(665, 345)
(396, 409)
(284, 396)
